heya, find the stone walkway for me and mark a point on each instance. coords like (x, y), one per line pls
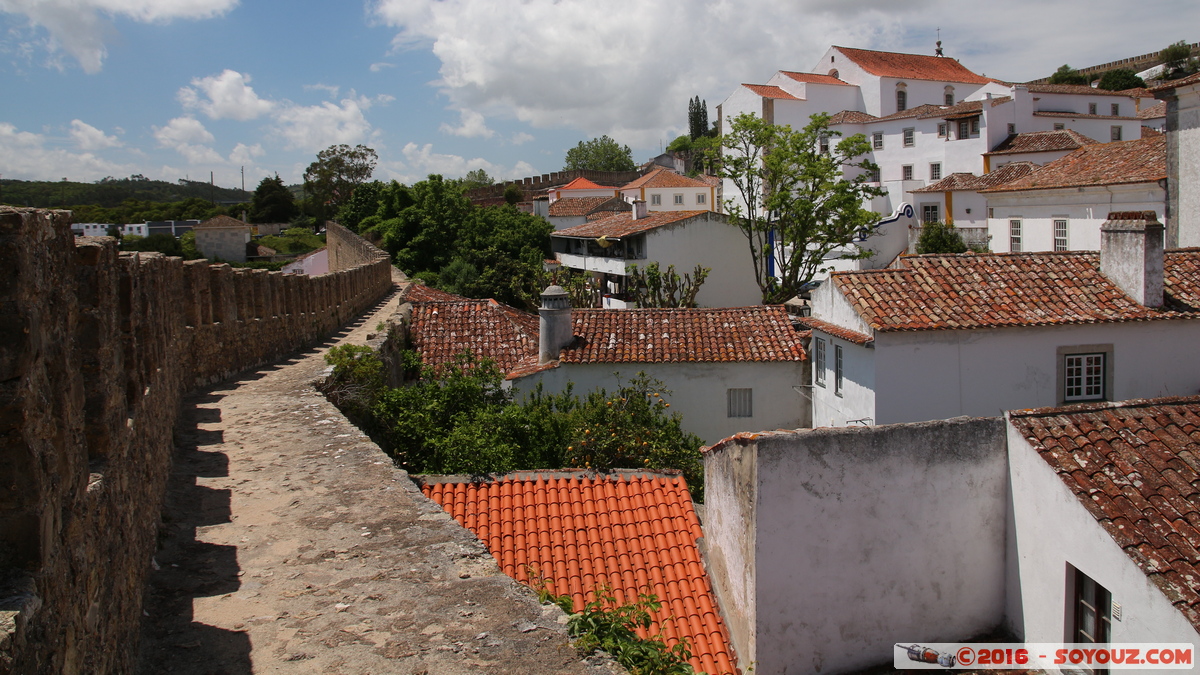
(291, 544)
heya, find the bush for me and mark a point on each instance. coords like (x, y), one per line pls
(940, 238)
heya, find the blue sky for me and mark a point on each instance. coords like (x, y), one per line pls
(178, 88)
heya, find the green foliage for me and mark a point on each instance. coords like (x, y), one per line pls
(680, 144)
(654, 288)
(795, 201)
(421, 223)
(1177, 60)
(697, 118)
(163, 243)
(513, 194)
(269, 265)
(187, 244)
(600, 154)
(332, 179)
(940, 238)
(605, 625)
(1068, 75)
(357, 379)
(110, 193)
(363, 204)
(293, 240)
(272, 202)
(1120, 79)
(477, 178)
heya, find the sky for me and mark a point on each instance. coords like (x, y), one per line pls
(173, 89)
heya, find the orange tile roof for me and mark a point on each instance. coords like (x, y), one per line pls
(1066, 114)
(440, 331)
(815, 78)
(634, 533)
(1151, 112)
(1042, 141)
(1147, 132)
(582, 183)
(1194, 78)
(1143, 160)
(770, 91)
(419, 292)
(729, 334)
(912, 66)
(1083, 89)
(851, 117)
(662, 178)
(582, 206)
(624, 225)
(837, 331)
(963, 291)
(969, 182)
(221, 221)
(1135, 467)
(1137, 92)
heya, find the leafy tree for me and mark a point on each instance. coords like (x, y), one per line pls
(940, 237)
(697, 118)
(654, 288)
(363, 203)
(166, 244)
(680, 144)
(187, 244)
(1120, 79)
(600, 154)
(1068, 75)
(477, 178)
(272, 202)
(1177, 60)
(294, 240)
(513, 194)
(331, 179)
(794, 202)
(422, 233)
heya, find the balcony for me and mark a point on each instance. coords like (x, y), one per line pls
(600, 264)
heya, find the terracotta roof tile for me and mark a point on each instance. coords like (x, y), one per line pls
(624, 225)
(1145, 455)
(662, 178)
(951, 292)
(1153, 112)
(1079, 116)
(582, 183)
(635, 533)
(1081, 89)
(837, 331)
(851, 117)
(770, 91)
(1137, 92)
(815, 78)
(924, 111)
(1143, 160)
(971, 183)
(759, 333)
(440, 331)
(1150, 132)
(912, 66)
(419, 292)
(1042, 141)
(221, 221)
(1194, 78)
(583, 206)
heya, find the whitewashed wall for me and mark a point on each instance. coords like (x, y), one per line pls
(709, 241)
(1084, 208)
(1184, 154)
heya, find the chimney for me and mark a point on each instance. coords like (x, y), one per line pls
(639, 209)
(1131, 255)
(554, 324)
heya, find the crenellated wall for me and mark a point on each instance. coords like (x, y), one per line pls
(532, 186)
(96, 349)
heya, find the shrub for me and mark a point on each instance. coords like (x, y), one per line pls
(940, 238)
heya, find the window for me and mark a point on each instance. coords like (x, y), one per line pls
(901, 99)
(964, 129)
(1115, 132)
(974, 125)
(949, 95)
(1083, 377)
(875, 177)
(656, 200)
(991, 212)
(1059, 126)
(1012, 128)
(1116, 110)
(929, 213)
(701, 198)
(877, 140)
(1091, 618)
(837, 369)
(1060, 234)
(941, 129)
(679, 199)
(741, 402)
(910, 138)
(819, 362)
(1014, 236)
(935, 171)
(907, 172)
(824, 143)
(1091, 108)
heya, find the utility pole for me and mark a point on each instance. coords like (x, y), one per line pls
(243, 181)
(212, 189)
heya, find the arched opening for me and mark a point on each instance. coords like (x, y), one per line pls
(949, 95)
(901, 97)
(833, 72)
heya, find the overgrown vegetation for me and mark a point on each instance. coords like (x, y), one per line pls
(110, 193)
(940, 237)
(457, 418)
(652, 287)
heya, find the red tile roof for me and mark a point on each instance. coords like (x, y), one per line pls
(969, 182)
(1042, 141)
(662, 178)
(851, 117)
(924, 111)
(582, 206)
(1066, 114)
(634, 533)
(769, 91)
(953, 292)
(1137, 92)
(623, 224)
(582, 183)
(1194, 78)
(1082, 89)
(912, 66)
(1135, 467)
(440, 331)
(1143, 160)
(221, 221)
(419, 292)
(837, 331)
(1148, 132)
(815, 78)
(1152, 112)
(759, 333)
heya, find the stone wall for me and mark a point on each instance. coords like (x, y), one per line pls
(532, 186)
(96, 349)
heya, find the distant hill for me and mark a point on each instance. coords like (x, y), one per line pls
(111, 192)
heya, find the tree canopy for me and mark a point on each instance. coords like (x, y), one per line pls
(797, 197)
(600, 154)
(331, 179)
(697, 118)
(940, 238)
(1120, 79)
(272, 202)
(1068, 75)
(1177, 60)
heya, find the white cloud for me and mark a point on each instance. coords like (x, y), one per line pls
(317, 127)
(225, 96)
(376, 67)
(188, 137)
(27, 158)
(88, 137)
(420, 161)
(79, 27)
(521, 138)
(244, 154)
(329, 89)
(473, 126)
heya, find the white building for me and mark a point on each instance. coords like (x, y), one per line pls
(571, 211)
(223, 238)
(581, 187)
(91, 229)
(1183, 159)
(664, 190)
(1061, 206)
(607, 247)
(947, 335)
(956, 199)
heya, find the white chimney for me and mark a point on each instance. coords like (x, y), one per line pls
(1131, 255)
(554, 324)
(639, 209)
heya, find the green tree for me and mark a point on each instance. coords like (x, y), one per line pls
(600, 154)
(187, 244)
(697, 118)
(272, 202)
(940, 237)
(331, 179)
(1120, 79)
(1177, 60)
(422, 234)
(477, 178)
(795, 201)
(681, 143)
(166, 244)
(652, 287)
(1068, 75)
(363, 204)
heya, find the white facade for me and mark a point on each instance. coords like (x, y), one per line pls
(692, 198)
(1040, 215)
(312, 264)
(91, 229)
(135, 229)
(1183, 162)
